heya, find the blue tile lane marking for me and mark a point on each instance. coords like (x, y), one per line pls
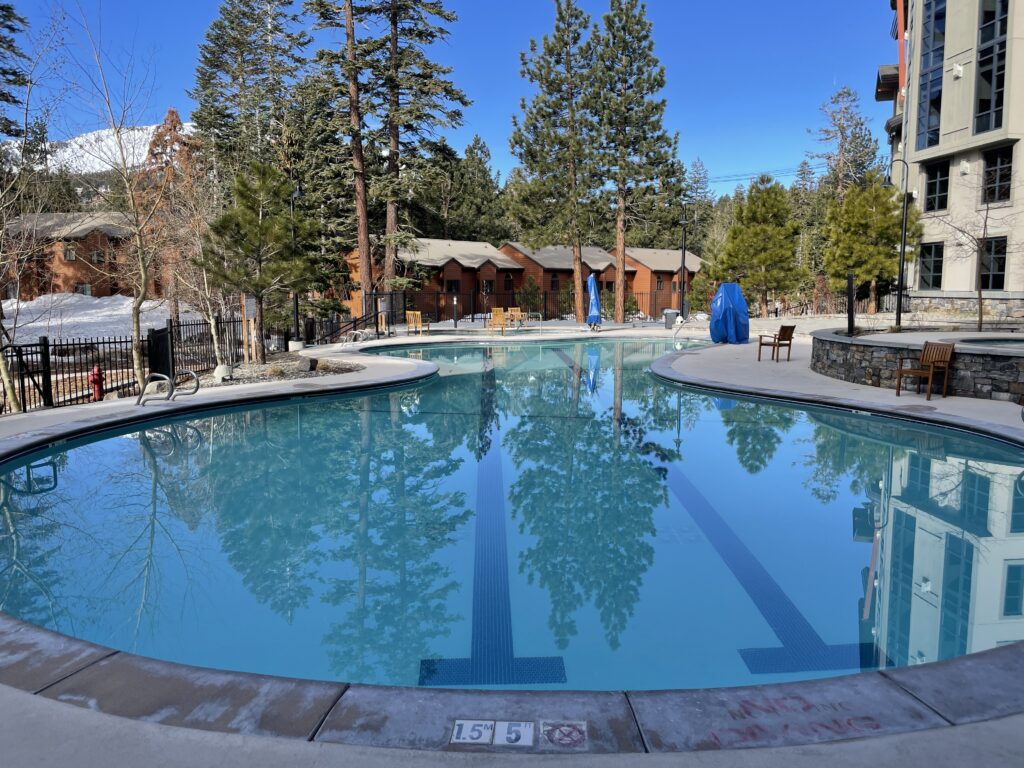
(492, 660)
(803, 649)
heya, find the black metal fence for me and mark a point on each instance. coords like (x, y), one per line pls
(48, 374)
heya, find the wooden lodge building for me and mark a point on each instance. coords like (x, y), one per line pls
(65, 253)
(476, 276)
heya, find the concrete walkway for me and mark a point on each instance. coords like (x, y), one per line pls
(735, 368)
(41, 733)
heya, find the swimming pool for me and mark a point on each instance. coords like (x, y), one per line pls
(541, 515)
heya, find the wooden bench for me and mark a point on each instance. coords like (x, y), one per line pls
(784, 338)
(934, 358)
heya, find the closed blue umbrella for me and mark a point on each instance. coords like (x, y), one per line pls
(594, 313)
(593, 368)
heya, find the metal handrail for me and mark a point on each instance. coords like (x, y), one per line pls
(175, 389)
(143, 398)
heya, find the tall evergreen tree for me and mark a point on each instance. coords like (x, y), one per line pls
(760, 251)
(852, 150)
(809, 204)
(248, 60)
(352, 61)
(12, 73)
(415, 97)
(476, 213)
(634, 148)
(554, 139)
(701, 206)
(864, 236)
(257, 245)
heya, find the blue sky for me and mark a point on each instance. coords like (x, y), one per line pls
(745, 79)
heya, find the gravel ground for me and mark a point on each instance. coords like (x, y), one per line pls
(281, 366)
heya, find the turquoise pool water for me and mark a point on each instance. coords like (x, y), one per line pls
(541, 515)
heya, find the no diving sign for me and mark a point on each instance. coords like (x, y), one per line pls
(558, 734)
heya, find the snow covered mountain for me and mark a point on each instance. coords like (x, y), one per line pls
(98, 151)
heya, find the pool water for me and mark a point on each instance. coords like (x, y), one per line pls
(540, 515)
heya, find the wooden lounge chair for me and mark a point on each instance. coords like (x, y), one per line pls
(517, 316)
(784, 338)
(414, 323)
(498, 320)
(934, 358)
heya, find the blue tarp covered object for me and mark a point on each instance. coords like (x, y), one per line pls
(594, 312)
(730, 321)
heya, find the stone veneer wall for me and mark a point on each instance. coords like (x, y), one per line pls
(989, 376)
(1008, 307)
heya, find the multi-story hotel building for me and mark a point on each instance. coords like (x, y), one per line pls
(957, 122)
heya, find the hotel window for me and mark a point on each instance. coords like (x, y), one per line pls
(488, 286)
(453, 286)
(1013, 595)
(974, 500)
(69, 252)
(936, 194)
(988, 108)
(508, 282)
(1017, 511)
(85, 289)
(554, 283)
(993, 264)
(998, 170)
(919, 476)
(931, 266)
(661, 284)
(96, 257)
(933, 52)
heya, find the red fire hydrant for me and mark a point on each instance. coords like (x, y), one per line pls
(96, 382)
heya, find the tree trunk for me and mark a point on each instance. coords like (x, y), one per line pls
(620, 255)
(577, 280)
(260, 347)
(764, 303)
(358, 165)
(13, 400)
(873, 297)
(137, 367)
(977, 281)
(394, 169)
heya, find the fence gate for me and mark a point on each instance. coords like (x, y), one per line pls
(161, 351)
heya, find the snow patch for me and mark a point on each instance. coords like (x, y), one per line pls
(71, 315)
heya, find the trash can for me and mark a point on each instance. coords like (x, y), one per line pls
(670, 316)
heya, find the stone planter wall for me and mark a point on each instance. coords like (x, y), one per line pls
(989, 376)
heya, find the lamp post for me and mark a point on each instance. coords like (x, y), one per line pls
(905, 193)
(684, 284)
(296, 194)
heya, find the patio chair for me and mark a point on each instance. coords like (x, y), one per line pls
(498, 320)
(414, 323)
(517, 316)
(784, 338)
(934, 358)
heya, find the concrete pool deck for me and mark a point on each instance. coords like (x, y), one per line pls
(968, 709)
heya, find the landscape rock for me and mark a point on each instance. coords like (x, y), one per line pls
(222, 373)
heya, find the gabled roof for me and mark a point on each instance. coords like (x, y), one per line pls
(73, 226)
(559, 257)
(664, 259)
(468, 253)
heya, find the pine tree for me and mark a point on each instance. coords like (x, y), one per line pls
(853, 151)
(809, 205)
(633, 147)
(701, 206)
(476, 213)
(864, 236)
(248, 60)
(257, 246)
(12, 74)
(352, 61)
(760, 251)
(554, 139)
(414, 99)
